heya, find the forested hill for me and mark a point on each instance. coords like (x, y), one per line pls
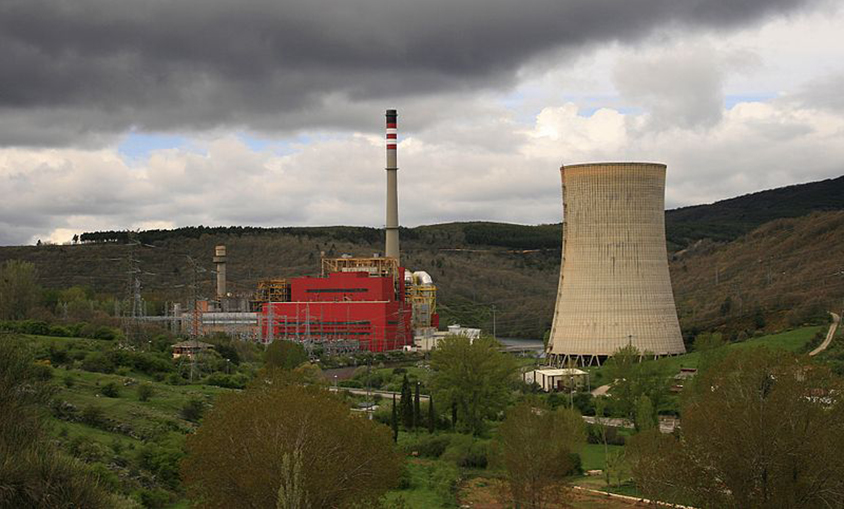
(729, 219)
(724, 220)
(514, 268)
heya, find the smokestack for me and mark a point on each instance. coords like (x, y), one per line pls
(220, 263)
(392, 235)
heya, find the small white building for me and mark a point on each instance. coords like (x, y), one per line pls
(557, 379)
(427, 339)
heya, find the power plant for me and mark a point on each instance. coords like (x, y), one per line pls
(370, 303)
(614, 288)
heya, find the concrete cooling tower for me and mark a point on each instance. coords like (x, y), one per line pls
(614, 285)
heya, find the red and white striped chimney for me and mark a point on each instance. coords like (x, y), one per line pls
(392, 230)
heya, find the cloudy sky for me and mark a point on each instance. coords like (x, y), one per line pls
(158, 114)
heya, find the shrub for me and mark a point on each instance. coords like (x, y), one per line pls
(111, 390)
(106, 333)
(443, 480)
(153, 498)
(145, 391)
(429, 446)
(59, 331)
(192, 410)
(98, 362)
(228, 381)
(93, 416)
(467, 452)
(58, 356)
(42, 372)
(593, 435)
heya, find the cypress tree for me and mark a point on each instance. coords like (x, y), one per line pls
(432, 416)
(453, 415)
(406, 404)
(417, 410)
(394, 422)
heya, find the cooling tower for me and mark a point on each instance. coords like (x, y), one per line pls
(614, 285)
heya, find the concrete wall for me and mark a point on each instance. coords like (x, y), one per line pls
(614, 284)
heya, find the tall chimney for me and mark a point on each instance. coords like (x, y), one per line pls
(392, 236)
(220, 263)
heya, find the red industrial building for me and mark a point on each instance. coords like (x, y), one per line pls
(362, 300)
(360, 303)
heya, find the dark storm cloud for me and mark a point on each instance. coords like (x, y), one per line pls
(71, 70)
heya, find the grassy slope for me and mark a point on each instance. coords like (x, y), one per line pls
(792, 340)
(156, 421)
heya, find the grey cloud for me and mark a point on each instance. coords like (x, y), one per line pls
(680, 88)
(79, 70)
(822, 93)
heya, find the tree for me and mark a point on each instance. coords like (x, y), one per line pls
(192, 410)
(282, 354)
(645, 415)
(474, 376)
(537, 448)
(19, 291)
(406, 404)
(417, 407)
(394, 421)
(145, 391)
(633, 378)
(432, 415)
(762, 428)
(343, 459)
(291, 492)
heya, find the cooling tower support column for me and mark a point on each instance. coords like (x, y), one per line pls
(220, 264)
(614, 287)
(392, 230)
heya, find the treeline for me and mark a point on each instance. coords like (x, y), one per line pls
(354, 234)
(728, 220)
(546, 236)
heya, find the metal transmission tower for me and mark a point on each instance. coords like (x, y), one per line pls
(196, 320)
(132, 309)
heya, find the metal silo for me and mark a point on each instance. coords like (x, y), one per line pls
(614, 285)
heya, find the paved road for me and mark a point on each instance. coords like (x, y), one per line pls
(666, 424)
(385, 394)
(829, 335)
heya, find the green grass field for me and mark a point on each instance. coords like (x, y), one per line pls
(792, 341)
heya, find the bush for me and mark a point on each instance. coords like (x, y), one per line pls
(106, 333)
(228, 381)
(153, 498)
(593, 435)
(98, 362)
(93, 416)
(42, 372)
(429, 446)
(145, 391)
(110, 390)
(59, 331)
(467, 452)
(192, 410)
(443, 480)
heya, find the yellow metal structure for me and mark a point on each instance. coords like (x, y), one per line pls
(273, 290)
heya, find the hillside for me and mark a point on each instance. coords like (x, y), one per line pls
(769, 269)
(727, 220)
(786, 271)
